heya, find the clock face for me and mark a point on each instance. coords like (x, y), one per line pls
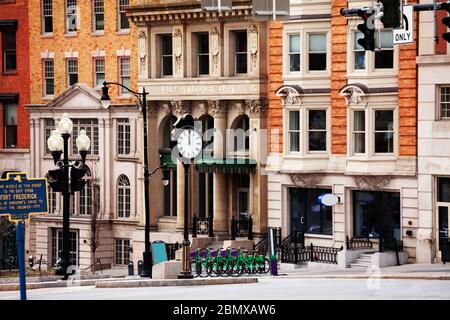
(189, 143)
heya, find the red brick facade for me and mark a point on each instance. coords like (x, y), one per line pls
(19, 81)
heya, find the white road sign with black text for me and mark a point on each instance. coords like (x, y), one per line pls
(405, 35)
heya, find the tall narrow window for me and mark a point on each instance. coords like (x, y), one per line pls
(359, 52)
(49, 125)
(47, 16)
(123, 136)
(91, 128)
(99, 71)
(124, 71)
(317, 130)
(242, 134)
(9, 51)
(294, 53)
(444, 102)
(57, 236)
(72, 71)
(317, 52)
(384, 58)
(166, 55)
(123, 20)
(203, 53)
(123, 197)
(359, 132)
(122, 251)
(99, 15)
(294, 131)
(240, 38)
(85, 197)
(51, 200)
(49, 77)
(10, 125)
(384, 131)
(71, 16)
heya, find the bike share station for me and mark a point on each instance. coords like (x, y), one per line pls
(21, 197)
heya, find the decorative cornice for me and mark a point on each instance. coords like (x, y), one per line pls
(256, 108)
(180, 107)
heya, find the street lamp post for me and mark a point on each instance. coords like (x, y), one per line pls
(58, 143)
(142, 98)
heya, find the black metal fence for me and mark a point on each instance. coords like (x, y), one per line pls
(243, 227)
(9, 263)
(357, 243)
(171, 248)
(202, 226)
(390, 245)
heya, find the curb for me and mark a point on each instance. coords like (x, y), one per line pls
(363, 276)
(45, 285)
(172, 283)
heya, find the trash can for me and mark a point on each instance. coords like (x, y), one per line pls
(131, 268)
(273, 265)
(140, 263)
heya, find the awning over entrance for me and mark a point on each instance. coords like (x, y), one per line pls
(229, 165)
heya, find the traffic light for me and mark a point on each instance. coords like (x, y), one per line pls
(77, 173)
(392, 15)
(368, 29)
(446, 21)
(55, 179)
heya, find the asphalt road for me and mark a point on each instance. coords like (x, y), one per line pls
(266, 289)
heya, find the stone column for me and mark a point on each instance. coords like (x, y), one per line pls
(218, 110)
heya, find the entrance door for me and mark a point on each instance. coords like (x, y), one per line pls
(242, 203)
(298, 212)
(443, 211)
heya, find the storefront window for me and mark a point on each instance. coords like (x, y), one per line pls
(376, 214)
(307, 214)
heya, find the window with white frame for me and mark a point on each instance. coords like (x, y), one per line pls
(10, 125)
(122, 17)
(57, 245)
(49, 126)
(317, 54)
(240, 52)
(49, 77)
(294, 53)
(124, 74)
(98, 15)
(359, 54)
(122, 250)
(72, 71)
(99, 71)
(71, 16)
(85, 198)
(384, 57)
(294, 131)
(123, 136)
(51, 200)
(317, 130)
(123, 197)
(359, 132)
(91, 128)
(166, 54)
(444, 102)
(202, 53)
(47, 16)
(384, 131)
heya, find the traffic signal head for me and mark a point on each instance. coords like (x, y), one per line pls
(446, 21)
(55, 179)
(367, 29)
(392, 15)
(77, 173)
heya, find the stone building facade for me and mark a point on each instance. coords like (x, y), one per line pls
(346, 120)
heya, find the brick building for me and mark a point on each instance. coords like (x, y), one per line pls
(347, 124)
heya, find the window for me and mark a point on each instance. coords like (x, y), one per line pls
(317, 130)
(122, 250)
(123, 20)
(99, 15)
(99, 71)
(49, 126)
(166, 55)
(72, 71)
(85, 198)
(384, 58)
(124, 73)
(91, 128)
(123, 197)
(49, 77)
(444, 102)
(307, 214)
(123, 136)
(10, 116)
(443, 194)
(359, 132)
(170, 191)
(240, 38)
(202, 53)
(294, 53)
(9, 51)
(376, 214)
(71, 16)
(359, 52)
(384, 131)
(294, 131)
(317, 52)
(47, 16)
(242, 134)
(57, 245)
(51, 200)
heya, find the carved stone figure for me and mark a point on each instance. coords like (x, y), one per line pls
(307, 180)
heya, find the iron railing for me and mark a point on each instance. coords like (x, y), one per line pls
(171, 249)
(289, 250)
(324, 254)
(9, 263)
(390, 245)
(262, 246)
(358, 242)
(202, 226)
(242, 228)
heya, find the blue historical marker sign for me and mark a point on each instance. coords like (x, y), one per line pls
(21, 197)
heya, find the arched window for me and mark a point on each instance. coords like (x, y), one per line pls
(170, 191)
(123, 197)
(205, 180)
(167, 130)
(241, 134)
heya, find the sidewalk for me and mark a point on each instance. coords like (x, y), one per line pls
(407, 271)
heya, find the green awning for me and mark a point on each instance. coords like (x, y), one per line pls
(229, 165)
